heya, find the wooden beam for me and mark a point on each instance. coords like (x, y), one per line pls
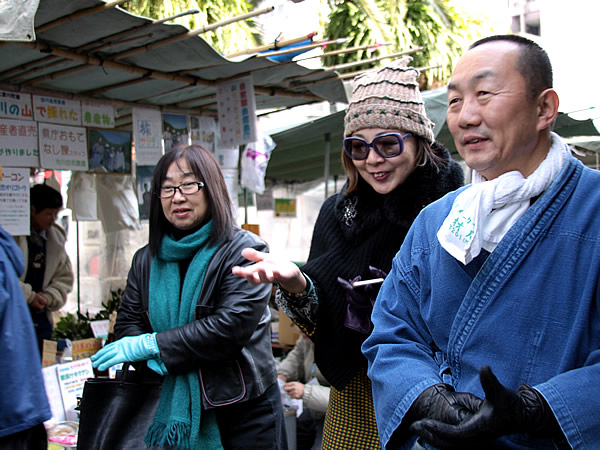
(191, 33)
(104, 89)
(301, 48)
(273, 46)
(98, 45)
(346, 50)
(77, 14)
(168, 76)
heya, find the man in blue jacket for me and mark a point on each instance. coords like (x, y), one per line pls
(23, 403)
(487, 329)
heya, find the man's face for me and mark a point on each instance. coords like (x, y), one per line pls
(490, 114)
(44, 219)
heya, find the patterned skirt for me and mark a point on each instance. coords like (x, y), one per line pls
(350, 419)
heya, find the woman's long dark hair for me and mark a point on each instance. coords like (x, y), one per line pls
(205, 167)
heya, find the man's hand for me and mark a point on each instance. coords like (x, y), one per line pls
(503, 412)
(39, 302)
(440, 403)
(294, 389)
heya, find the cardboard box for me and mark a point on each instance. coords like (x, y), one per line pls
(288, 331)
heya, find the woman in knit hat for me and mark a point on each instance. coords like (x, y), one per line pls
(394, 169)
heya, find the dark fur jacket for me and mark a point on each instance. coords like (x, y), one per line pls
(355, 231)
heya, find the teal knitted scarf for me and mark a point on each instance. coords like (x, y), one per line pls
(177, 420)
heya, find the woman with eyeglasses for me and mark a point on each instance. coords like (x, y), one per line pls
(187, 319)
(394, 169)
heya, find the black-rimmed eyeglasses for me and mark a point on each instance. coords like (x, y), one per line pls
(386, 145)
(188, 188)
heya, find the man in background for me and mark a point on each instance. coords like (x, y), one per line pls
(304, 381)
(48, 277)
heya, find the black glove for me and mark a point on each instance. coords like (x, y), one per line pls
(441, 403)
(360, 301)
(502, 412)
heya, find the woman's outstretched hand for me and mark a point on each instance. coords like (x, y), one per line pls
(270, 269)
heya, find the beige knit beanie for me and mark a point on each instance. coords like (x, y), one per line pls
(388, 97)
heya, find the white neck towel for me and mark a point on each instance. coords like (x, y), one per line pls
(484, 212)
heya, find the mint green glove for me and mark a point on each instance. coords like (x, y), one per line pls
(127, 349)
(158, 366)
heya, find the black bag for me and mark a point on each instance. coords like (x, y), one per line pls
(116, 413)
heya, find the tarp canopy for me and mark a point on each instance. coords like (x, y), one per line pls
(89, 49)
(300, 152)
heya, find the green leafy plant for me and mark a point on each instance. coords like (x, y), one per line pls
(73, 327)
(111, 305)
(77, 326)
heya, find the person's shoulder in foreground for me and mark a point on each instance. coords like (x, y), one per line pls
(23, 403)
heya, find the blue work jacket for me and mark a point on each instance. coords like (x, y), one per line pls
(530, 311)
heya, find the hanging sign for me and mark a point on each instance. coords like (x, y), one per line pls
(203, 131)
(19, 143)
(14, 201)
(285, 207)
(63, 148)
(14, 105)
(231, 181)
(56, 110)
(97, 115)
(175, 130)
(147, 136)
(17, 20)
(237, 111)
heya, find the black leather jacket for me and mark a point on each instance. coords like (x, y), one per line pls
(229, 343)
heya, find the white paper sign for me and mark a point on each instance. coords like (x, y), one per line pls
(14, 201)
(63, 148)
(19, 143)
(54, 395)
(100, 328)
(237, 111)
(203, 131)
(14, 105)
(56, 110)
(231, 181)
(71, 378)
(147, 135)
(97, 115)
(227, 157)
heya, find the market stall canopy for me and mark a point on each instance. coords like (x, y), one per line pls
(92, 50)
(300, 152)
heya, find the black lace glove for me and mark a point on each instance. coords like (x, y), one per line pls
(360, 301)
(502, 412)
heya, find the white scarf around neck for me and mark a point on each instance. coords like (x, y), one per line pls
(484, 212)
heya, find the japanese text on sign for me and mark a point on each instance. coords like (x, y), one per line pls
(14, 105)
(62, 147)
(14, 200)
(99, 115)
(147, 135)
(19, 143)
(56, 110)
(237, 111)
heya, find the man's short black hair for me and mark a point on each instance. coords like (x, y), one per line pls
(533, 65)
(43, 196)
